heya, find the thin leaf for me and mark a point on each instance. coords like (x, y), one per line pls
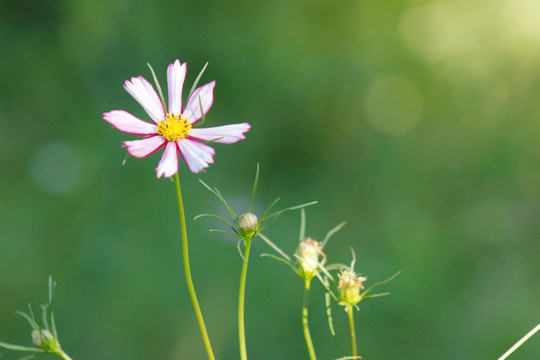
(28, 357)
(268, 209)
(203, 117)
(29, 318)
(31, 313)
(380, 283)
(374, 296)
(271, 218)
(44, 321)
(327, 274)
(215, 217)
(353, 260)
(196, 82)
(52, 288)
(14, 347)
(275, 247)
(217, 194)
(337, 266)
(225, 232)
(157, 84)
(209, 188)
(53, 324)
(326, 285)
(255, 183)
(332, 232)
(277, 213)
(328, 301)
(283, 261)
(240, 250)
(302, 225)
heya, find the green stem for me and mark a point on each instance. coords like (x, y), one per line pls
(520, 342)
(305, 324)
(187, 271)
(241, 300)
(63, 355)
(350, 312)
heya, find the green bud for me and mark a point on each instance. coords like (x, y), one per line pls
(248, 224)
(42, 339)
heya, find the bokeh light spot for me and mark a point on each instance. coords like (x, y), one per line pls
(394, 105)
(436, 31)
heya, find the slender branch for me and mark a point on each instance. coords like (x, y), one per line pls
(187, 270)
(305, 324)
(241, 300)
(520, 342)
(350, 313)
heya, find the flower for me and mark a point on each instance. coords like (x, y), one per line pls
(173, 129)
(308, 254)
(349, 286)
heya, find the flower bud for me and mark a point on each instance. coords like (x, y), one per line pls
(349, 288)
(42, 338)
(248, 224)
(309, 251)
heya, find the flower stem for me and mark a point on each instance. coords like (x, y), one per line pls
(63, 355)
(350, 312)
(305, 324)
(520, 342)
(187, 270)
(241, 300)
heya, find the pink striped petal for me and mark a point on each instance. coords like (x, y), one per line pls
(193, 108)
(196, 155)
(128, 123)
(145, 95)
(176, 73)
(144, 147)
(168, 165)
(227, 134)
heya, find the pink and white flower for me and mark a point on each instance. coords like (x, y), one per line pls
(173, 129)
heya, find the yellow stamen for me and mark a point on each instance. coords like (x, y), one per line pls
(174, 127)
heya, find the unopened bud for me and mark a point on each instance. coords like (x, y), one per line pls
(349, 288)
(248, 224)
(42, 338)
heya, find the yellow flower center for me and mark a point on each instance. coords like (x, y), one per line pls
(174, 127)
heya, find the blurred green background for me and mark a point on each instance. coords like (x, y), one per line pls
(416, 122)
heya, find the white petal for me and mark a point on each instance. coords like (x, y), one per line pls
(168, 165)
(144, 147)
(176, 74)
(128, 123)
(206, 95)
(227, 134)
(196, 155)
(145, 95)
